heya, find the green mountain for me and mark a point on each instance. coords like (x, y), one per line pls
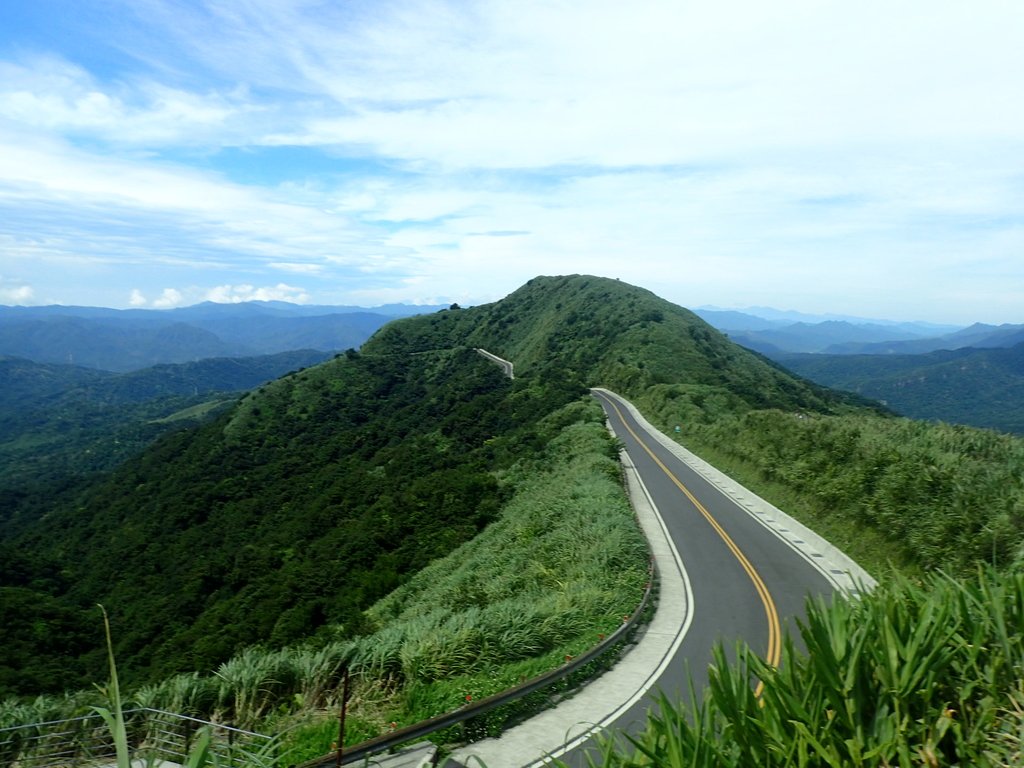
(318, 493)
(980, 387)
(591, 330)
(416, 465)
(61, 422)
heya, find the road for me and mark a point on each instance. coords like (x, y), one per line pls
(506, 366)
(745, 581)
(732, 568)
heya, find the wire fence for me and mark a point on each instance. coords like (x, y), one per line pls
(155, 737)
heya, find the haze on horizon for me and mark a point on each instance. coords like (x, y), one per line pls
(863, 160)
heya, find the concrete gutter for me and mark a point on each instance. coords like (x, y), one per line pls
(596, 705)
(840, 569)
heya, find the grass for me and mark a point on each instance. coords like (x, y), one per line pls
(920, 673)
(561, 566)
(557, 571)
(870, 548)
(194, 412)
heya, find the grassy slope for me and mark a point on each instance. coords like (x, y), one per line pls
(569, 332)
(590, 330)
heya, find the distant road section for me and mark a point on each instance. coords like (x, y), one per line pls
(505, 364)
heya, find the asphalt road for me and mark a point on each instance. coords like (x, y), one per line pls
(746, 582)
(731, 568)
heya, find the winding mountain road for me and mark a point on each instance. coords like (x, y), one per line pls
(731, 567)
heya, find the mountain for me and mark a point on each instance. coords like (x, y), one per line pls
(124, 340)
(280, 520)
(816, 337)
(317, 493)
(775, 333)
(978, 335)
(731, 320)
(59, 423)
(980, 387)
(109, 344)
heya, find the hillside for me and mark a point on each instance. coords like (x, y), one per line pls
(591, 330)
(285, 519)
(59, 423)
(980, 387)
(318, 493)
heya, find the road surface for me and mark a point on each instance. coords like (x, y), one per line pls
(731, 568)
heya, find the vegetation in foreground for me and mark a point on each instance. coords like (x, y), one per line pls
(928, 497)
(924, 673)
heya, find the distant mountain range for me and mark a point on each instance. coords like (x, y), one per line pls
(126, 340)
(775, 333)
(972, 375)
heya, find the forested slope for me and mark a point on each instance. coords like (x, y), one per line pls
(296, 510)
(62, 424)
(318, 493)
(592, 330)
(980, 387)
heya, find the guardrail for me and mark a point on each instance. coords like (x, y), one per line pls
(506, 365)
(425, 727)
(153, 735)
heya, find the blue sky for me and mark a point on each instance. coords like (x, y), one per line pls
(830, 157)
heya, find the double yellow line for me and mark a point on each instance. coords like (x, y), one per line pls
(774, 653)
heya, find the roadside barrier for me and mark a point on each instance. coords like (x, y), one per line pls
(382, 744)
(154, 735)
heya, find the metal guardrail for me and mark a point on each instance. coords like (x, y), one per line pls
(418, 730)
(152, 733)
(506, 365)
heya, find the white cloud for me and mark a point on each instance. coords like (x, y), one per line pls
(236, 294)
(773, 151)
(169, 298)
(299, 268)
(657, 82)
(137, 299)
(54, 95)
(13, 292)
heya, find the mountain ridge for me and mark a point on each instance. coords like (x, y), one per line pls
(131, 339)
(254, 507)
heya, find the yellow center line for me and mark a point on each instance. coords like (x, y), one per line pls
(774, 654)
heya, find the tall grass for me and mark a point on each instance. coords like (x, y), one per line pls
(561, 566)
(923, 495)
(915, 674)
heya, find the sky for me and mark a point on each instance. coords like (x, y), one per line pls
(858, 158)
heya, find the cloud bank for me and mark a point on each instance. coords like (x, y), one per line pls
(864, 158)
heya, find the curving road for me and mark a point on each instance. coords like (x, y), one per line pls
(731, 568)
(746, 582)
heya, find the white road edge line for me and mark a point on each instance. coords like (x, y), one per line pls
(498, 752)
(670, 653)
(836, 566)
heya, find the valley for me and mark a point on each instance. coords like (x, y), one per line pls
(344, 512)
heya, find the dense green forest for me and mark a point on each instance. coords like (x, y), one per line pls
(285, 519)
(244, 530)
(61, 424)
(980, 387)
(317, 494)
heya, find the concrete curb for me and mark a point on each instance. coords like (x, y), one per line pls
(835, 565)
(600, 702)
